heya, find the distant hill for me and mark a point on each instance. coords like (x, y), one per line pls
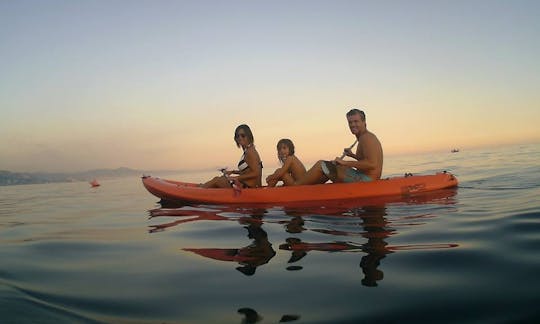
(8, 178)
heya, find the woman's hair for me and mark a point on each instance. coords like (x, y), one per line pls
(246, 130)
(287, 142)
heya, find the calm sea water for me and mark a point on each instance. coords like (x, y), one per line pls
(70, 253)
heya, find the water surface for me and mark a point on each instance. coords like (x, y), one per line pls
(71, 253)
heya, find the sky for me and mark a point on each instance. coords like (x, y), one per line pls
(159, 84)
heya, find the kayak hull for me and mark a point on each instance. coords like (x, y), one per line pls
(406, 186)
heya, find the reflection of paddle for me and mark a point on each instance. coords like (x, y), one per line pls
(350, 147)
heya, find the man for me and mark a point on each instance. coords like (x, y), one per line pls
(368, 156)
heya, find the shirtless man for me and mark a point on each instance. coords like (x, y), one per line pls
(368, 158)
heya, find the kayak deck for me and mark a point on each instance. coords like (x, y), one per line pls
(404, 186)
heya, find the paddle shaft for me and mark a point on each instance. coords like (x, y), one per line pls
(350, 147)
(234, 183)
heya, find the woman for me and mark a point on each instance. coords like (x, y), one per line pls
(249, 171)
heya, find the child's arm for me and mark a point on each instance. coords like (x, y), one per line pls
(285, 168)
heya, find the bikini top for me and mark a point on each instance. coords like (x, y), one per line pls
(242, 165)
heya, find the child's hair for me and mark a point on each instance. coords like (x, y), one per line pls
(288, 143)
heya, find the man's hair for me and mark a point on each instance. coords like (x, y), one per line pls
(355, 111)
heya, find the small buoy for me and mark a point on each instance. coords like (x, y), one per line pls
(94, 183)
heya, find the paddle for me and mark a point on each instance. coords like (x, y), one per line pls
(235, 183)
(350, 147)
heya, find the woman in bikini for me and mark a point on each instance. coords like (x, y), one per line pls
(291, 167)
(249, 173)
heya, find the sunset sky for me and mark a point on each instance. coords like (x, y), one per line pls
(163, 84)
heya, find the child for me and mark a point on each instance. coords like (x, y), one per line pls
(292, 168)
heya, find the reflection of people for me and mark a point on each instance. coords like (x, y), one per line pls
(376, 231)
(257, 253)
(250, 257)
(368, 158)
(251, 316)
(291, 167)
(295, 225)
(249, 168)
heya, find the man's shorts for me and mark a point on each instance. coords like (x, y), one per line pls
(351, 174)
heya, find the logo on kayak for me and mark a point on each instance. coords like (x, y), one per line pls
(412, 189)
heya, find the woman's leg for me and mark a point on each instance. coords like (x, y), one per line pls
(217, 182)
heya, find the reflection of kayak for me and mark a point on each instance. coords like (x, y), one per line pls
(296, 246)
(405, 186)
(223, 254)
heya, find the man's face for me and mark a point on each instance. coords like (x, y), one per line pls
(356, 125)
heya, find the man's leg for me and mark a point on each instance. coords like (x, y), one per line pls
(341, 173)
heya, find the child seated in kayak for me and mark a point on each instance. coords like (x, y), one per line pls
(292, 168)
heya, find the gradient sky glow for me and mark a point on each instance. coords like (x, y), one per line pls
(163, 84)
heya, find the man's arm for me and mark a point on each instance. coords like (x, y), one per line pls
(371, 156)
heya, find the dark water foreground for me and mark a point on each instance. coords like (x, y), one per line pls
(70, 253)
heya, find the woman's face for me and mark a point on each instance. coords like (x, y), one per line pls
(241, 137)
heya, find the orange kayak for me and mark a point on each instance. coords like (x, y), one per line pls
(406, 186)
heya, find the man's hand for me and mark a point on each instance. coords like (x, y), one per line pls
(348, 152)
(339, 161)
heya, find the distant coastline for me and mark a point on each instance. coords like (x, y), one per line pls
(8, 178)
